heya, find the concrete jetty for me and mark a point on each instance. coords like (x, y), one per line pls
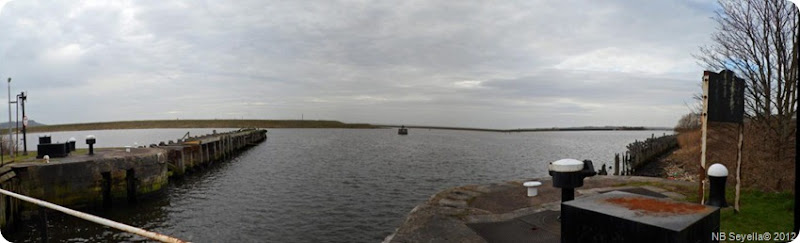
(502, 212)
(113, 175)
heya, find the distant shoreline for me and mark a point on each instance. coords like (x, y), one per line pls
(228, 123)
(554, 129)
(147, 124)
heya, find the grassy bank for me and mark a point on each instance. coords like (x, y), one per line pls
(196, 124)
(763, 167)
(767, 202)
(760, 211)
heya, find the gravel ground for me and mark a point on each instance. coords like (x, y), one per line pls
(670, 166)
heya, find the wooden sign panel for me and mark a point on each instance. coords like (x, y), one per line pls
(725, 97)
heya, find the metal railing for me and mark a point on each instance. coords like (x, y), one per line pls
(95, 219)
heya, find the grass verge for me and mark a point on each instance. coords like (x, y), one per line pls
(760, 212)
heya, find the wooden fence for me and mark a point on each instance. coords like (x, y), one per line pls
(642, 152)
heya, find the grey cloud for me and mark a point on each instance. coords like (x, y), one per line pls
(465, 63)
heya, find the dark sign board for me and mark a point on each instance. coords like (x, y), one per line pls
(725, 97)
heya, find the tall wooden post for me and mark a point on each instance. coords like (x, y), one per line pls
(704, 131)
(739, 168)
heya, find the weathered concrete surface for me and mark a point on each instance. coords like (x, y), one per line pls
(446, 215)
(112, 174)
(78, 180)
(188, 155)
(9, 208)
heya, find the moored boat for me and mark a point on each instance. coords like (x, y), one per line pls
(402, 130)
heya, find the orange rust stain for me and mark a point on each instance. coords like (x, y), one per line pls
(648, 205)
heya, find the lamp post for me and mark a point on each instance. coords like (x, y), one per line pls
(16, 133)
(10, 136)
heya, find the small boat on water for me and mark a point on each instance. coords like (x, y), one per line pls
(402, 131)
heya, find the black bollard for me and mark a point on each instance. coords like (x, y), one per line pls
(568, 174)
(567, 194)
(71, 143)
(90, 140)
(717, 176)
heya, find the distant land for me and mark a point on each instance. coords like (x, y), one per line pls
(233, 123)
(585, 128)
(31, 123)
(146, 124)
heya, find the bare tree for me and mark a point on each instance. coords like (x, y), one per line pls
(690, 121)
(758, 41)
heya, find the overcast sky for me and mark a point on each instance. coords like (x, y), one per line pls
(490, 64)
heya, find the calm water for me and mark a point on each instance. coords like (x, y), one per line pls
(335, 185)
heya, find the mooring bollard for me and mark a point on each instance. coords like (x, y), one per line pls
(532, 187)
(717, 176)
(71, 143)
(90, 140)
(45, 139)
(568, 174)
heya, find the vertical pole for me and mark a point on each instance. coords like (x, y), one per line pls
(567, 194)
(24, 125)
(16, 133)
(739, 168)
(10, 136)
(704, 131)
(43, 222)
(616, 164)
(625, 160)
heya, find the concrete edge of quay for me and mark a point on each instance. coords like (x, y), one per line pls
(114, 175)
(445, 216)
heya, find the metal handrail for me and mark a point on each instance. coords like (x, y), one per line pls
(95, 219)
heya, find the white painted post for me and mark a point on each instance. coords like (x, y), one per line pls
(739, 168)
(704, 131)
(532, 187)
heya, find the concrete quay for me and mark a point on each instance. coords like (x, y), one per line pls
(502, 212)
(114, 175)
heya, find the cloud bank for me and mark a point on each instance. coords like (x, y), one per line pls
(492, 64)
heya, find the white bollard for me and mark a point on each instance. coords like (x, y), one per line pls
(46, 159)
(532, 187)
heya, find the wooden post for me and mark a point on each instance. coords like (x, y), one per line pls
(704, 131)
(43, 223)
(616, 164)
(625, 163)
(739, 168)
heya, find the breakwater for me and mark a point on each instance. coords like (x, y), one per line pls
(114, 175)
